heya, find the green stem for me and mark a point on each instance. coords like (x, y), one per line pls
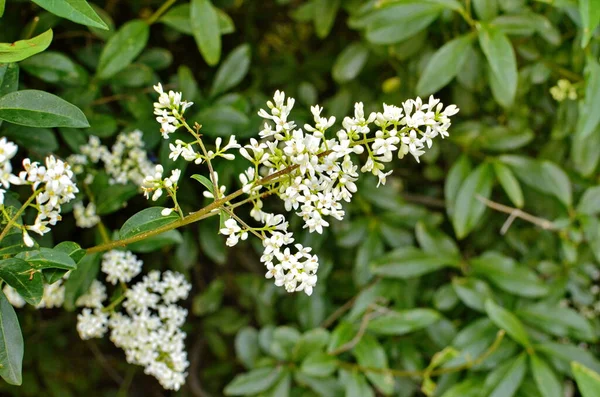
(191, 218)
(158, 13)
(12, 221)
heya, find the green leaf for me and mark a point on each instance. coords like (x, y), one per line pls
(544, 176)
(252, 382)
(232, 71)
(157, 241)
(568, 352)
(113, 197)
(356, 384)
(350, 62)
(9, 78)
(403, 322)
(508, 379)
(342, 334)
(55, 67)
(205, 26)
(246, 346)
(468, 209)
(503, 65)
(485, 9)
(459, 171)
(408, 262)
(401, 29)
(23, 278)
(508, 276)
(325, 13)
(11, 343)
(22, 49)
(81, 279)
(472, 292)
(41, 140)
(48, 258)
(146, 220)
(509, 183)
(589, 203)
(74, 10)
(560, 321)
(122, 48)
(508, 322)
(589, 119)
(588, 381)
(35, 108)
(369, 353)
(444, 64)
(433, 241)
(319, 364)
(590, 17)
(2, 5)
(546, 380)
(314, 340)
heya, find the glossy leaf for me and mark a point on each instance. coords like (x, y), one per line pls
(205, 26)
(253, 382)
(23, 278)
(146, 220)
(468, 209)
(509, 183)
(325, 13)
(410, 262)
(443, 65)
(11, 343)
(122, 48)
(350, 62)
(47, 258)
(403, 322)
(23, 49)
(503, 65)
(232, 71)
(35, 108)
(588, 381)
(546, 380)
(590, 18)
(508, 322)
(75, 10)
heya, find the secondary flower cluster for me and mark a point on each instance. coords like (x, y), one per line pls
(126, 162)
(149, 331)
(155, 184)
(312, 172)
(169, 109)
(52, 186)
(85, 216)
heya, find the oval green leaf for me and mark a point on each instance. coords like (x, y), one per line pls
(22, 49)
(41, 109)
(74, 10)
(122, 48)
(205, 27)
(11, 343)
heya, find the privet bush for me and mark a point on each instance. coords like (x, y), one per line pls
(187, 205)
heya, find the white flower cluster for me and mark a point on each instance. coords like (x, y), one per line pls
(149, 331)
(120, 266)
(53, 186)
(7, 152)
(154, 183)
(85, 216)
(127, 161)
(169, 109)
(311, 173)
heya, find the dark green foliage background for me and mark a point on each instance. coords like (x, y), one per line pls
(417, 266)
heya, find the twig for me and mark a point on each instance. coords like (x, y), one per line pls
(517, 213)
(361, 331)
(339, 312)
(102, 360)
(424, 200)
